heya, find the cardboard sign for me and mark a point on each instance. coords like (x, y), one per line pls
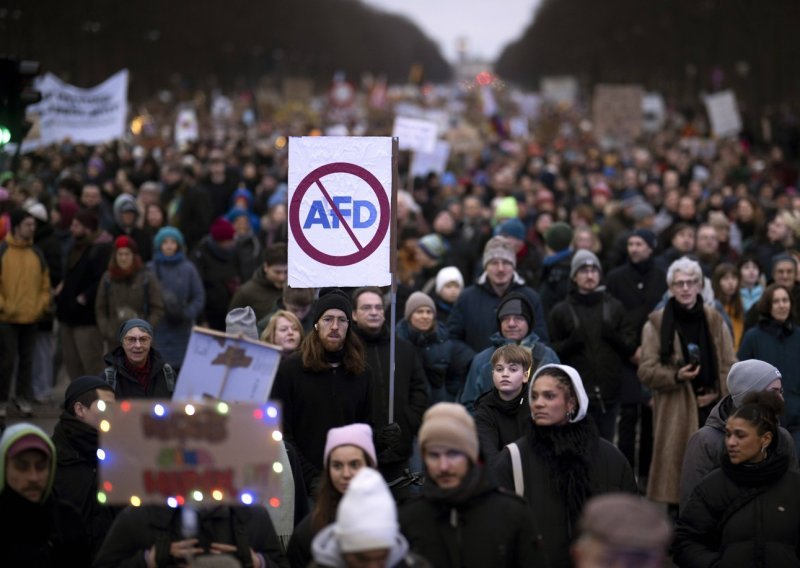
(415, 134)
(422, 164)
(723, 113)
(340, 191)
(560, 90)
(226, 367)
(161, 452)
(617, 113)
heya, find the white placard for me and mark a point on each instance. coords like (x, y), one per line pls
(226, 367)
(415, 134)
(654, 112)
(422, 164)
(560, 89)
(723, 113)
(340, 192)
(186, 126)
(89, 116)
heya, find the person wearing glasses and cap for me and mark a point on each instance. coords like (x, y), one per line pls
(136, 369)
(326, 384)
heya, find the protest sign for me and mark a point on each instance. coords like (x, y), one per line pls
(723, 113)
(422, 164)
(171, 453)
(186, 126)
(560, 90)
(89, 116)
(226, 367)
(617, 113)
(340, 190)
(415, 134)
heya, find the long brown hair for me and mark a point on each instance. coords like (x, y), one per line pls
(328, 497)
(314, 353)
(735, 301)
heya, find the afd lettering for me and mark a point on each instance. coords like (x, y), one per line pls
(362, 213)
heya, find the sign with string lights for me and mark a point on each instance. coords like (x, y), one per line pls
(190, 453)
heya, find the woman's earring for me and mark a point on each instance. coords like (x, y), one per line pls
(570, 415)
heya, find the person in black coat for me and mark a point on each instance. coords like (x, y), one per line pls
(36, 528)
(563, 460)
(325, 385)
(76, 441)
(394, 438)
(154, 535)
(502, 414)
(747, 512)
(215, 259)
(85, 262)
(462, 520)
(135, 369)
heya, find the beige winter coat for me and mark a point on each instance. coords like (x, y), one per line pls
(674, 403)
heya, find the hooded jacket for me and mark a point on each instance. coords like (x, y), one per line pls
(474, 317)
(328, 554)
(48, 533)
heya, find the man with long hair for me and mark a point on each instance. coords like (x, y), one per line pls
(325, 385)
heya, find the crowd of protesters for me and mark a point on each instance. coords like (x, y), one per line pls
(571, 317)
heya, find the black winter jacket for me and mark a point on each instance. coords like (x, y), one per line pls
(500, 422)
(137, 529)
(481, 527)
(128, 387)
(592, 333)
(727, 523)
(219, 272)
(82, 274)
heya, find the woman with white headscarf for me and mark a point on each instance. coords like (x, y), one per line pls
(563, 461)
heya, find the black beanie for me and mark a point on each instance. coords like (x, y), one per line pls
(332, 299)
(81, 385)
(515, 304)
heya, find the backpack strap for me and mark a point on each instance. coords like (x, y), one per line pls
(111, 377)
(146, 285)
(516, 466)
(107, 288)
(169, 377)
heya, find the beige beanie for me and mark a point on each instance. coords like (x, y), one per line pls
(450, 425)
(416, 301)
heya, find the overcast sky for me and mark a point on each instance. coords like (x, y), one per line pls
(487, 25)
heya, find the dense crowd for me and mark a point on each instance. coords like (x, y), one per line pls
(576, 325)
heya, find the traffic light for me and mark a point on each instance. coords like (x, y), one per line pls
(16, 94)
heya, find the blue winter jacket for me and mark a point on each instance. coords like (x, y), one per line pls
(184, 301)
(479, 378)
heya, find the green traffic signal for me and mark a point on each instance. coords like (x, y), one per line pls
(5, 135)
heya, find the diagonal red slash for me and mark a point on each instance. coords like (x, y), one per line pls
(339, 215)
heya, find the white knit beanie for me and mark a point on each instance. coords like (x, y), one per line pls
(446, 275)
(367, 515)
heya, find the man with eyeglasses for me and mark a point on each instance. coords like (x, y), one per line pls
(136, 369)
(393, 440)
(687, 351)
(325, 384)
(707, 446)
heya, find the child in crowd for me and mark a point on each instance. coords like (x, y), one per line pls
(449, 284)
(502, 414)
(750, 285)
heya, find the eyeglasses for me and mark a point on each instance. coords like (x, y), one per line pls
(778, 390)
(371, 308)
(327, 321)
(684, 283)
(144, 340)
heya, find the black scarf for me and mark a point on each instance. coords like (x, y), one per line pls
(81, 436)
(643, 267)
(568, 452)
(781, 330)
(334, 357)
(765, 472)
(474, 483)
(676, 316)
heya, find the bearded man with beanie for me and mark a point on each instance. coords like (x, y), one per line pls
(326, 384)
(706, 447)
(473, 319)
(86, 261)
(462, 520)
(590, 331)
(515, 321)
